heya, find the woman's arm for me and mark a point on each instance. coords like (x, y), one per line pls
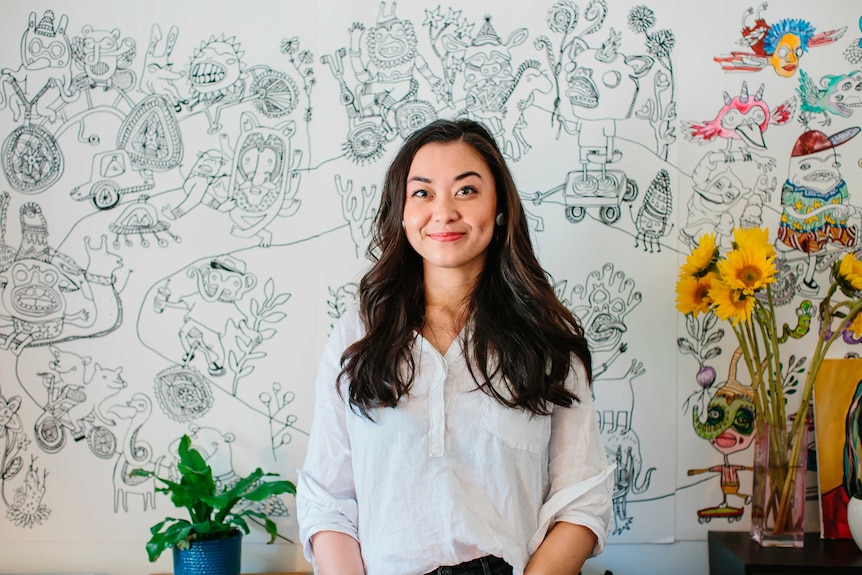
(564, 550)
(337, 554)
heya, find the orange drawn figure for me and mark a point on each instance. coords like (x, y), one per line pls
(729, 428)
(780, 45)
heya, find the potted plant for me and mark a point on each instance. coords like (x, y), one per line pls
(209, 541)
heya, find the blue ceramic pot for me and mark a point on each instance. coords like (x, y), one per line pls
(216, 557)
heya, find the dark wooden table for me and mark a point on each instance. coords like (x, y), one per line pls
(734, 553)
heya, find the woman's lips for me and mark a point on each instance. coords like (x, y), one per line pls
(446, 236)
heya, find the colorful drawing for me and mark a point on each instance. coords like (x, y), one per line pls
(780, 45)
(837, 419)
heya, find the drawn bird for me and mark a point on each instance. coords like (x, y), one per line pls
(836, 95)
(743, 117)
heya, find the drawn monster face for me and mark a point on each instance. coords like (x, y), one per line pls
(392, 44)
(818, 171)
(34, 291)
(729, 425)
(610, 296)
(44, 45)
(103, 53)
(215, 68)
(603, 84)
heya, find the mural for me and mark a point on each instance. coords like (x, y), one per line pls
(186, 203)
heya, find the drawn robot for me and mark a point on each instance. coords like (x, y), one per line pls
(729, 428)
(815, 205)
(780, 45)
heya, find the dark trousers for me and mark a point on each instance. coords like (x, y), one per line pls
(489, 565)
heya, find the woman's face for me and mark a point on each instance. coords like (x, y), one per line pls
(450, 207)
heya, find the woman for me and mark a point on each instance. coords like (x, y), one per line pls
(454, 425)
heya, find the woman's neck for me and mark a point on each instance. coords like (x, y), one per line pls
(447, 293)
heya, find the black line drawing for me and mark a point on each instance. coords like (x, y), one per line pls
(651, 222)
(264, 181)
(277, 405)
(358, 208)
(339, 299)
(836, 94)
(26, 508)
(15, 442)
(134, 454)
(47, 297)
(141, 219)
(601, 88)
(206, 183)
(75, 399)
(384, 61)
(602, 303)
(158, 76)
(480, 80)
(659, 44)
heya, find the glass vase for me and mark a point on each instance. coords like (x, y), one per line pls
(778, 498)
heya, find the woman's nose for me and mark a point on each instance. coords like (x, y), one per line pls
(445, 209)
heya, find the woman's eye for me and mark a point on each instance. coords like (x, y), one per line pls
(419, 194)
(466, 190)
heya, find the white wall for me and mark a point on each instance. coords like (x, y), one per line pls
(67, 507)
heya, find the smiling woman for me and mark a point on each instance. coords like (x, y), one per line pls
(460, 383)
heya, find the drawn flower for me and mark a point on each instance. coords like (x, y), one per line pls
(305, 58)
(703, 258)
(434, 18)
(563, 17)
(731, 304)
(10, 421)
(641, 19)
(290, 45)
(661, 43)
(850, 275)
(692, 294)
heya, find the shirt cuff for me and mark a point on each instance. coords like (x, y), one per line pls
(317, 511)
(586, 503)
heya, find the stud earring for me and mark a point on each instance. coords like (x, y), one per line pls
(403, 225)
(500, 219)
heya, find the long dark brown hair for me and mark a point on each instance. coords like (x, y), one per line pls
(519, 332)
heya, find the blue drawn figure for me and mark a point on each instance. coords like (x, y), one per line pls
(780, 45)
(384, 103)
(46, 64)
(836, 94)
(729, 427)
(158, 76)
(212, 314)
(602, 86)
(105, 59)
(48, 298)
(816, 211)
(27, 509)
(264, 181)
(206, 183)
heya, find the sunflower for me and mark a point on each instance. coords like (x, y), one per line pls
(702, 258)
(748, 267)
(730, 303)
(850, 274)
(754, 238)
(856, 326)
(692, 294)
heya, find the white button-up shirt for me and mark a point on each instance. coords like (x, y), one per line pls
(450, 474)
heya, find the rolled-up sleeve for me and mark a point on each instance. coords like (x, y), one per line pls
(579, 476)
(325, 494)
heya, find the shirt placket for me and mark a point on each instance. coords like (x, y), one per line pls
(437, 409)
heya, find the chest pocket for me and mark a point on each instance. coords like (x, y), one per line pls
(515, 427)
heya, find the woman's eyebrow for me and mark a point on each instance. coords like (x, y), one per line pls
(459, 177)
